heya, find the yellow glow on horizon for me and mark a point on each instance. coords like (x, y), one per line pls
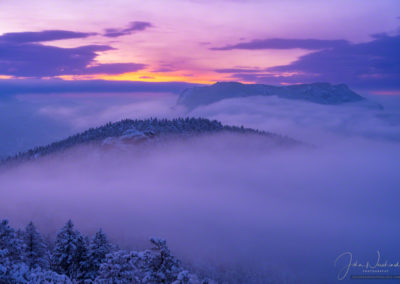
(4, 77)
(146, 76)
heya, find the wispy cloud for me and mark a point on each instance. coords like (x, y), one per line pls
(133, 27)
(238, 70)
(113, 68)
(281, 43)
(47, 35)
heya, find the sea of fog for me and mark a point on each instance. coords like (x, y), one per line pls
(227, 209)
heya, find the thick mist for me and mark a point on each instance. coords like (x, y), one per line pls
(230, 206)
(225, 207)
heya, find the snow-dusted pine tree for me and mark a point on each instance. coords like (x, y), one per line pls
(118, 268)
(81, 259)
(99, 247)
(9, 241)
(64, 253)
(150, 266)
(76, 260)
(35, 249)
(160, 265)
(11, 266)
(37, 275)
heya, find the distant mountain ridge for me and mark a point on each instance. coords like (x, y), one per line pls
(321, 93)
(137, 131)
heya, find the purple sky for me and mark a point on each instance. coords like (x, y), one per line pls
(272, 42)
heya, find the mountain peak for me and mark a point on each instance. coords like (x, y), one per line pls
(320, 92)
(227, 83)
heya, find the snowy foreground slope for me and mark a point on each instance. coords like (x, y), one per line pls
(131, 132)
(321, 93)
(26, 257)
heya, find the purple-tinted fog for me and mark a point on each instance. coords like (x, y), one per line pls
(228, 205)
(225, 206)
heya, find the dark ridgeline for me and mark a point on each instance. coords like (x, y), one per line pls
(140, 130)
(321, 93)
(25, 257)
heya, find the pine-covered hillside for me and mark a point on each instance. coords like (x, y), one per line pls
(138, 131)
(26, 257)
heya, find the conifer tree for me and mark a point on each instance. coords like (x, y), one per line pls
(9, 243)
(10, 257)
(35, 249)
(81, 259)
(99, 247)
(64, 253)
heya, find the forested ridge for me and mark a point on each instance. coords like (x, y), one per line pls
(140, 130)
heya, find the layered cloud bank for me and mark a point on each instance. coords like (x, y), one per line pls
(37, 119)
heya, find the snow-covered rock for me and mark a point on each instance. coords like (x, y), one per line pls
(321, 93)
(131, 135)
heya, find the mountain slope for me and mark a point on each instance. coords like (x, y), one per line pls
(321, 93)
(138, 131)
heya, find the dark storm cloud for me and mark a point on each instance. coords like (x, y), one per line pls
(133, 27)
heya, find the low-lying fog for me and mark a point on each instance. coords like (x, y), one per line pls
(225, 207)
